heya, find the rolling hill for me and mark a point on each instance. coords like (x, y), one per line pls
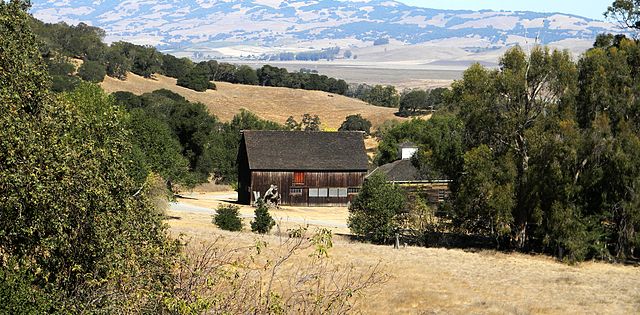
(272, 103)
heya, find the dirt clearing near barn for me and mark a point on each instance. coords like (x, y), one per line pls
(437, 280)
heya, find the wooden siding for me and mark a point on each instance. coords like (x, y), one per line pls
(244, 175)
(434, 193)
(261, 181)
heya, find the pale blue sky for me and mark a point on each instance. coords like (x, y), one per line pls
(588, 8)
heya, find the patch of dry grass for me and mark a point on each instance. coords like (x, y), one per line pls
(441, 281)
(272, 103)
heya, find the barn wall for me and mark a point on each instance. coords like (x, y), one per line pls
(244, 175)
(262, 180)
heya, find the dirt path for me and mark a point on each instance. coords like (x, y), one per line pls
(334, 218)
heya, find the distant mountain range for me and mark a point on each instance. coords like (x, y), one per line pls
(288, 25)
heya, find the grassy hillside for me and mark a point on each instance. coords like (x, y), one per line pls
(272, 103)
(438, 280)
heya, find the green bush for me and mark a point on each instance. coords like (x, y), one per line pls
(228, 218)
(356, 123)
(92, 71)
(196, 81)
(127, 99)
(263, 222)
(64, 83)
(375, 213)
(19, 296)
(59, 66)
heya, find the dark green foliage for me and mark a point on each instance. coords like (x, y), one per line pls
(356, 123)
(417, 102)
(263, 222)
(209, 146)
(440, 140)
(280, 77)
(190, 123)
(19, 296)
(196, 81)
(117, 62)
(70, 217)
(92, 71)
(227, 217)
(141, 60)
(553, 172)
(486, 195)
(164, 93)
(375, 213)
(127, 99)
(437, 98)
(61, 72)
(80, 41)
(625, 12)
(337, 86)
(146, 60)
(24, 76)
(272, 76)
(64, 83)
(161, 152)
(60, 66)
(246, 75)
(413, 101)
(174, 67)
(385, 96)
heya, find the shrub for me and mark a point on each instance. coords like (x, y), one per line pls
(196, 81)
(356, 123)
(228, 218)
(246, 75)
(263, 221)
(175, 67)
(59, 67)
(64, 83)
(92, 71)
(127, 99)
(19, 296)
(376, 212)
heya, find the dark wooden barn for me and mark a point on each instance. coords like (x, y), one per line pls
(309, 168)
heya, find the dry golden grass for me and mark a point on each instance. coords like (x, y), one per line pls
(272, 103)
(441, 281)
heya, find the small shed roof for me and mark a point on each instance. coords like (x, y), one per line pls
(305, 151)
(399, 171)
(407, 144)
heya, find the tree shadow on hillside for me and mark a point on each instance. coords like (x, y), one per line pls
(471, 243)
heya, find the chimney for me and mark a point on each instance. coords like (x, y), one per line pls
(407, 150)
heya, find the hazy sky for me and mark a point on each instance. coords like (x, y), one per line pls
(587, 8)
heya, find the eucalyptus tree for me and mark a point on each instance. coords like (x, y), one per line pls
(501, 107)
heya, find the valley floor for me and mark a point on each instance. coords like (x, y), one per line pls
(437, 280)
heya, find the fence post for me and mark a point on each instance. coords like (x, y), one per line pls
(397, 243)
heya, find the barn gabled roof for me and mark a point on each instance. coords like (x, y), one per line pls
(305, 151)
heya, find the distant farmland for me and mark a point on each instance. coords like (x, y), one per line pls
(401, 76)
